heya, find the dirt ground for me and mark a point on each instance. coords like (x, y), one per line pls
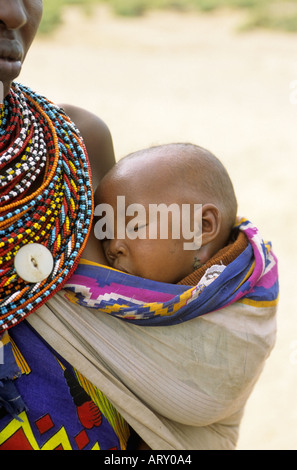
(179, 77)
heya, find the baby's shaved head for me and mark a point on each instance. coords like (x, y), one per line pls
(180, 175)
(197, 169)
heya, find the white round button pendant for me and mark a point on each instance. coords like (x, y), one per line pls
(33, 262)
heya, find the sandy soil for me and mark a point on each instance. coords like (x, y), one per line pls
(179, 77)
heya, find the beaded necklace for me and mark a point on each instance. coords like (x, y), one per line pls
(37, 140)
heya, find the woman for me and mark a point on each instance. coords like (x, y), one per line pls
(65, 400)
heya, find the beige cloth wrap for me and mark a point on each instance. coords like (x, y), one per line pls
(180, 387)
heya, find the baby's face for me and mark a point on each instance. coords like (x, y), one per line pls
(137, 245)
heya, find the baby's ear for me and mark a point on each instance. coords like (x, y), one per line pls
(211, 227)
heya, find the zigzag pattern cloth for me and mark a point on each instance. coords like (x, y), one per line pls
(51, 405)
(252, 278)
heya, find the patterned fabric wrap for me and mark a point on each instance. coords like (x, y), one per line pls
(63, 411)
(252, 278)
(37, 138)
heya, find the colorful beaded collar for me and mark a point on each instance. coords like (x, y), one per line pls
(37, 140)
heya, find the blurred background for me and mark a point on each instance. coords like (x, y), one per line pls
(218, 73)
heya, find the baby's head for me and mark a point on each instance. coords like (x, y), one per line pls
(179, 174)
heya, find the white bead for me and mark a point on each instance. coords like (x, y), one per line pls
(33, 262)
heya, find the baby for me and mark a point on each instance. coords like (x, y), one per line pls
(174, 175)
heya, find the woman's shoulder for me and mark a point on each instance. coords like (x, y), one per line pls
(97, 139)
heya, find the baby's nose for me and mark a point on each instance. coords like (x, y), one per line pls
(116, 248)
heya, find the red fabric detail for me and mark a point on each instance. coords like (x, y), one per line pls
(82, 440)
(44, 424)
(89, 415)
(18, 441)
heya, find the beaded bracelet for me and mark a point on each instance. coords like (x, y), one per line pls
(38, 140)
